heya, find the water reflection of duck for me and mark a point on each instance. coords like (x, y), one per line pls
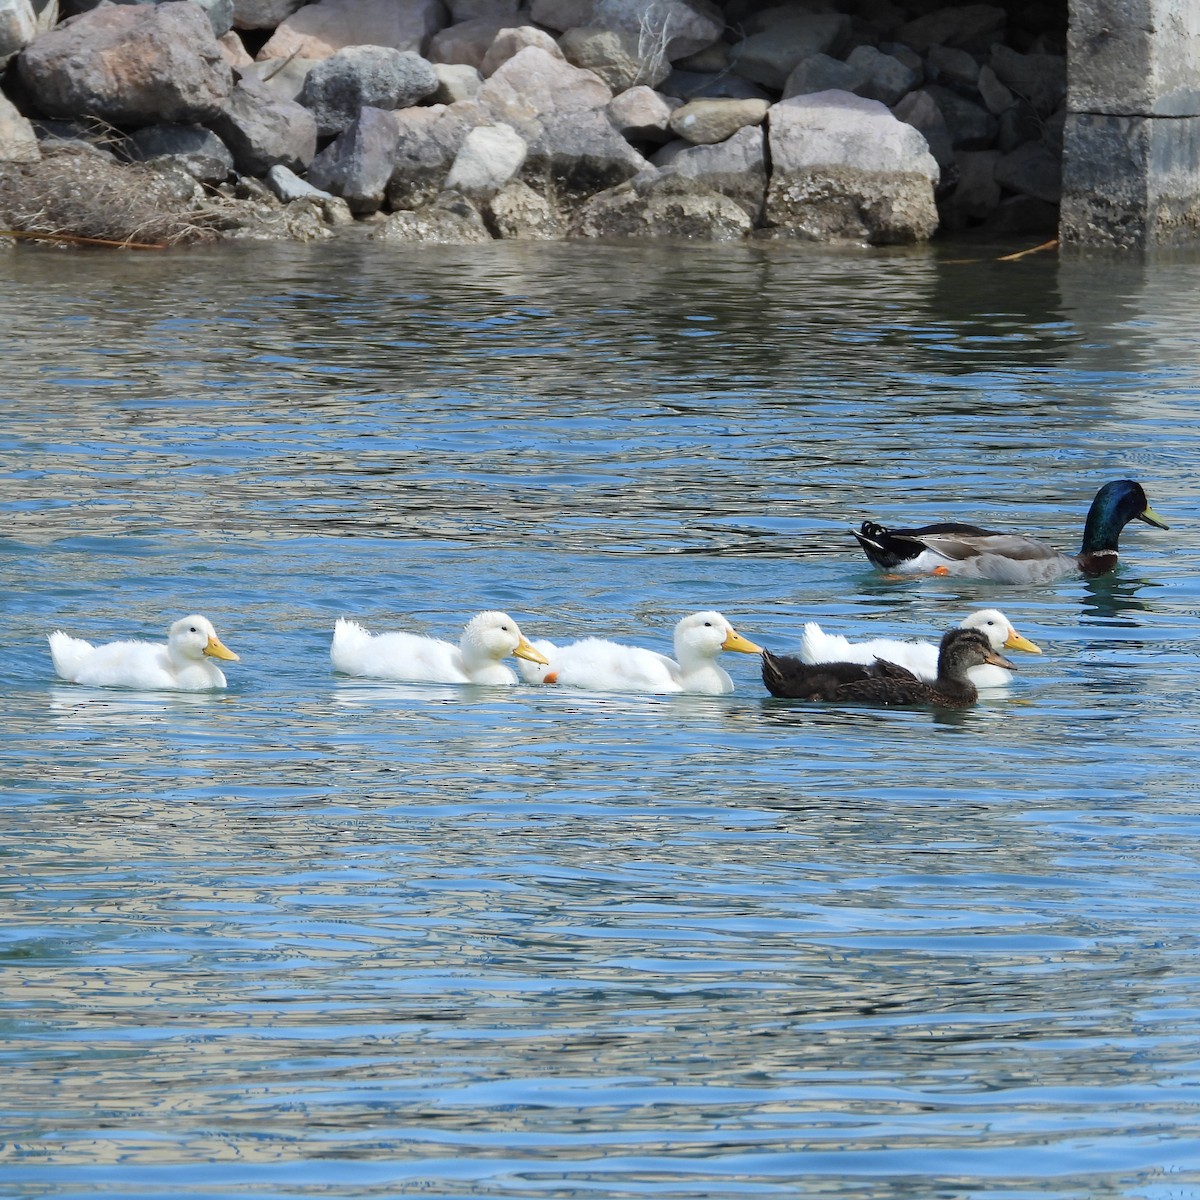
(180, 665)
(921, 658)
(599, 665)
(950, 548)
(488, 638)
(883, 682)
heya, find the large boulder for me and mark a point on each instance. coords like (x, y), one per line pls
(427, 143)
(736, 167)
(467, 43)
(337, 88)
(449, 220)
(18, 142)
(197, 150)
(263, 14)
(510, 42)
(262, 129)
(666, 29)
(771, 56)
(518, 213)
(561, 112)
(488, 160)
(706, 122)
(616, 55)
(321, 29)
(358, 163)
(661, 207)
(642, 114)
(129, 65)
(845, 169)
(18, 27)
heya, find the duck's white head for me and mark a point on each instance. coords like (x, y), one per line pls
(998, 630)
(706, 634)
(491, 636)
(195, 638)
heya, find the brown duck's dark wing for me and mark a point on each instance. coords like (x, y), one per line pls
(792, 678)
(891, 670)
(894, 691)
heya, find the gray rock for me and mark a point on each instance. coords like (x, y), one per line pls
(692, 85)
(615, 55)
(976, 194)
(456, 81)
(512, 41)
(561, 112)
(996, 97)
(518, 213)
(263, 14)
(955, 68)
(886, 78)
(466, 43)
(643, 115)
(321, 29)
(1039, 79)
(358, 163)
(492, 10)
(1018, 125)
(1032, 170)
(737, 167)
(450, 220)
(666, 29)
(845, 169)
(770, 57)
(971, 127)
(712, 58)
(283, 76)
(921, 111)
(18, 27)
(561, 14)
(661, 207)
(908, 56)
(220, 15)
(487, 161)
(234, 50)
(197, 150)
(288, 186)
(261, 129)
(966, 26)
(705, 122)
(129, 65)
(340, 86)
(822, 73)
(18, 142)
(427, 143)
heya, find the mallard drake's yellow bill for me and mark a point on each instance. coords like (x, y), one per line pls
(1152, 518)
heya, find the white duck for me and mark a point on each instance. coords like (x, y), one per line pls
(602, 666)
(921, 658)
(183, 664)
(411, 658)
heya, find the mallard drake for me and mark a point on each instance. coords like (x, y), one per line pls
(597, 665)
(950, 548)
(884, 682)
(183, 664)
(921, 658)
(488, 638)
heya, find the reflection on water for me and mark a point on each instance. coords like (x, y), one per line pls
(314, 936)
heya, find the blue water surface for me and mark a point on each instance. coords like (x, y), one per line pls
(322, 937)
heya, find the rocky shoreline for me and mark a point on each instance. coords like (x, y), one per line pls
(865, 121)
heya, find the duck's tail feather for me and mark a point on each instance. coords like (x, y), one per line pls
(68, 653)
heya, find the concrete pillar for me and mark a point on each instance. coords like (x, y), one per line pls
(1131, 154)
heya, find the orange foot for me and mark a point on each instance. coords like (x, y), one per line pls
(940, 571)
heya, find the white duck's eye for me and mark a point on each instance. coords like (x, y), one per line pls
(193, 629)
(707, 624)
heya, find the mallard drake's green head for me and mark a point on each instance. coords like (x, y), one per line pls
(1116, 504)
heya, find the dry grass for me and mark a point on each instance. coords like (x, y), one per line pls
(77, 193)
